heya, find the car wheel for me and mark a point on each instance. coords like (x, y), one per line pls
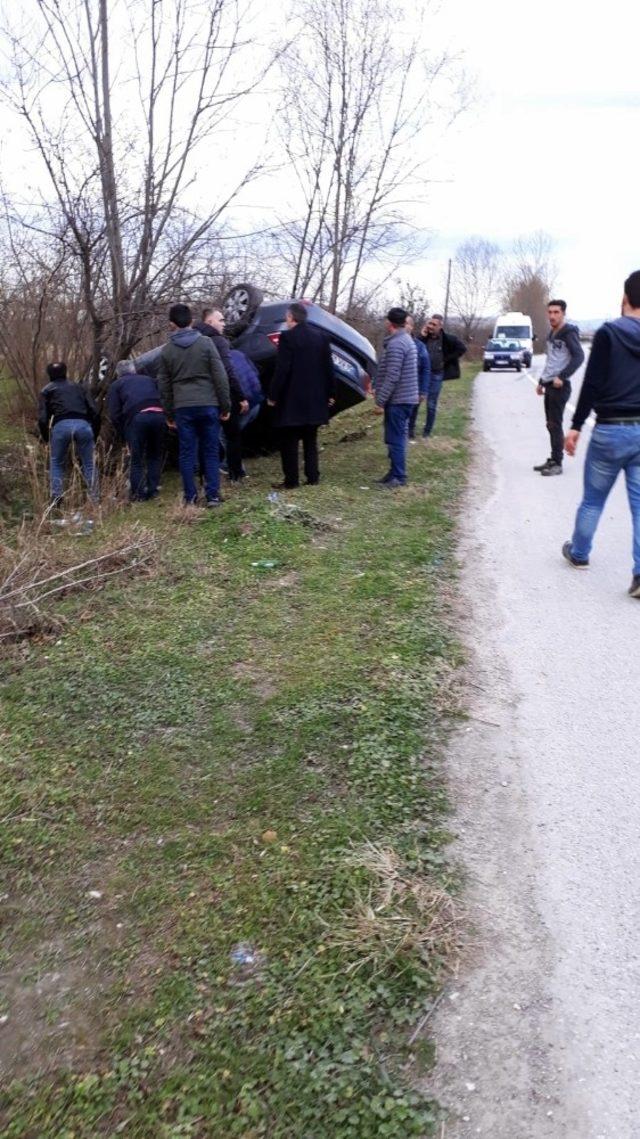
(240, 305)
(486, 367)
(518, 367)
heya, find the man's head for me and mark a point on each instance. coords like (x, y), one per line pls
(556, 312)
(214, 318)
(433, 327)
(57, 371)
(180, 316)
(631, 298)
(410, 324)
(296, 314)
(125, 368)
(396, 319)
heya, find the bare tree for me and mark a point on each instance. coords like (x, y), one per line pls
(355, 158)
(120, 102)
(529, 278)
(475, 282)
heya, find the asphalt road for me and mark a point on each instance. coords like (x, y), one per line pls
(541, 1035)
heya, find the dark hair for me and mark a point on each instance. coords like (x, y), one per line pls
(437, 316)
(397, 317)
(207, 311)
(298, 312)
(57, 371)
(558, 304)
(632, 289)
(180, 315)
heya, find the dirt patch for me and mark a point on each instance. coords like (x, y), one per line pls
(260, 682)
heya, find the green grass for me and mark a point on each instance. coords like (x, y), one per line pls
(147, 752)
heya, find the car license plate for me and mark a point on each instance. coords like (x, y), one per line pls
(340, 362)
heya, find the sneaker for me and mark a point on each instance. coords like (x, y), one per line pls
(392, 484)
(578, 563)
(213, 502)
(552, 469)
(634, 588)
(543, 466)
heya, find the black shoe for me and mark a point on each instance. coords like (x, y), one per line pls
(382, 482)
(578, 563)
(543, 466)
(552, 469)
(634, 588)
(285, 485)
(213, 502)
(311, 482)
(392, 484)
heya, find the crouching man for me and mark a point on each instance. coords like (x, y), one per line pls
(68, 418)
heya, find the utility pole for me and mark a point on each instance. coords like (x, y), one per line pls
(446, 299)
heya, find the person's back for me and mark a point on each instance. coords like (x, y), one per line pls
(304, 380)
(248, 377)
(68, 418)
(130, 394)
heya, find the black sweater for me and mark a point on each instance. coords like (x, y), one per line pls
(611, 385)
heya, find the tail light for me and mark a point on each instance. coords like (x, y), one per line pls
(366, 382)
(274, 337)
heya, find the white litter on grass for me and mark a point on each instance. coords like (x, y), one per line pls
(3, 1019)
(94, 894)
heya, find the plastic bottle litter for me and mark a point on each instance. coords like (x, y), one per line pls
(243, 954)
(273, 496)
(264, 564)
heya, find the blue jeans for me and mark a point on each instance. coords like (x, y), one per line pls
(613, 448)
(67, 433)
(198, 435)
(396, 431)
(433, 395)
(146, 439)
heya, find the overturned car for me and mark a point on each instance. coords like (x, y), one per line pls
(254, 327)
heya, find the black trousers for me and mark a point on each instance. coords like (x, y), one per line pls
(290, 438)
(555, 400)
(233, 444)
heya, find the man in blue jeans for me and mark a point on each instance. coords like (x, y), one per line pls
(195, 396)
(445, 351)
(68, 418)
(611, 387)
(135, 410)
(397, 394)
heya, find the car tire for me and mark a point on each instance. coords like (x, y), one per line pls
(518, 367)
(239, 307)
(486, 367)
(527, 361)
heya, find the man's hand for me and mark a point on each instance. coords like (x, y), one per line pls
(571, 442)
(271, 403)
(377, 410)
(171, 424)
(224, 416)
(244, 406)
(540, 389)
(557, 383)
(423, 399)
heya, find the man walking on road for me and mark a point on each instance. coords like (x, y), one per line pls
(564, 357)
(397, 394)
(444, 351)
(611, 387)
(302, 391)
(195, 394)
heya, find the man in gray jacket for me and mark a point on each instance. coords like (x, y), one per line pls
(564, 357)
(195, 396)
(397, 394)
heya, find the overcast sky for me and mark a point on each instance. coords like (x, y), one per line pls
(552, 143)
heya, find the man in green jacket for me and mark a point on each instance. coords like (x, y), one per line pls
(195, 396)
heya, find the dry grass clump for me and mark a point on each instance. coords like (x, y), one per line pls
(403, 913)
(36, 572)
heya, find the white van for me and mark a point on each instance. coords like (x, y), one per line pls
(516, 326)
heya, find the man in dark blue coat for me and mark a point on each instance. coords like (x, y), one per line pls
(302, 391)
(135, 409)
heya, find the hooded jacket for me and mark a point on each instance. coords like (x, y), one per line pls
(224, 352)
(564, 353)
(611, 385)
(62, 399)
(191, 373)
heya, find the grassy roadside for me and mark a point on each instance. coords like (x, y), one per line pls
(236, 753)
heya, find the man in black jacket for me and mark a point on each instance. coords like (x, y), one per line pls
(213, 325)
(302, 391)
(135, 409)
(444, 351)
(611, 387)
(564, 357)
(68, 417)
